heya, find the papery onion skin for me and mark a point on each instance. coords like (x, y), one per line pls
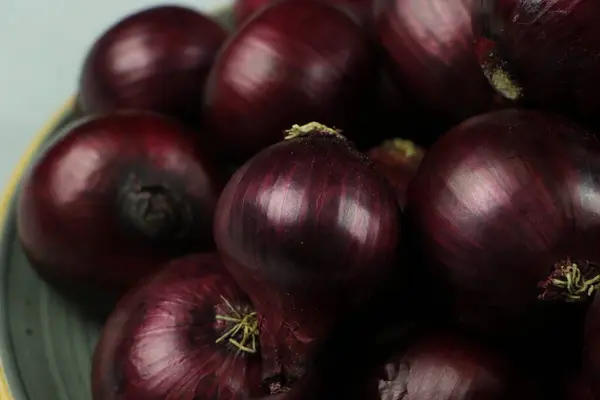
(245, 9)
(430, 53)
(160, 341)
(496, 203)
(113, 198)
(548, 48)
(297, 61)
(398, 160)
(156, 59)
(309, 229)
(448, 367)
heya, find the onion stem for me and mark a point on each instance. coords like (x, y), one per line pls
(244, 331)
(571, 282)
(312, 128)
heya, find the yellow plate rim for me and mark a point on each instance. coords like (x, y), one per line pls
(12, 186)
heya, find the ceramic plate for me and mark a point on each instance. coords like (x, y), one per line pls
(45, 344)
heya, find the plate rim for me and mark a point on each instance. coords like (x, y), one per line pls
(6, 208)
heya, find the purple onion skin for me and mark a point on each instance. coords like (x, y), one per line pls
(430, 53)
(295, 62)
(156, 60)
(114, 198)
(496, 203)
(549, 48)
(309, 229)
(159, 342)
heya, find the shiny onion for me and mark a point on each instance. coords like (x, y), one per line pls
(504, 211)
(544, 53)
(188, 332)
(309, 229)
(113, 198)
(296, 62)
(430, 53)
(156, 59)
(398, 160)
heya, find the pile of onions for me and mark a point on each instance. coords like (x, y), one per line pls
(430, 52)
(545, 51)
(398, 160)
(157, 60)
(309, 229)
(186, 333)
(295, 62)
(504, 211)
(115, 197)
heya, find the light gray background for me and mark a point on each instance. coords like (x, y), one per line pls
(42, 45)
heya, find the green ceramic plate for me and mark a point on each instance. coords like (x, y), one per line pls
(45, 343)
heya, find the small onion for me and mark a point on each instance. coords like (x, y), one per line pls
(430, 52)
(545, 52)
(295, 62)
(188, 332)
(156, 60)
(115, 197)
(309, 229)
(504, 211)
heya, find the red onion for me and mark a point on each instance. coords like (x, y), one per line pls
(448, 367)
(113, 198)
(186, 333)
(544, 53)
(505, 216)
(309, 229)
(429, 46)
(244, 9)
(157, 59)
(398, 160)
(296, 62)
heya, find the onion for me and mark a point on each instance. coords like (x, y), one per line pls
(505, 215)
(244, 9)
(296, 62)
(157, 60)
(545, 52)
(309, 229)
(186, 333)
(398, 160)
(430, 51)
(113, 198)
(448, 367)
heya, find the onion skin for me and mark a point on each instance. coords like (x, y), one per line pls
(430, 53)
(448, 367)
(159, 343)
(549, 50)
(398, 160)
(309, 229)
(155, 60)
(245, 9)
(296, 75)
(113, 198)
(496, 204)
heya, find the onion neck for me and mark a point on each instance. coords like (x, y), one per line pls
(240, 328)
(311, 129)
(402, 149)
(571, 282)
(154, 210)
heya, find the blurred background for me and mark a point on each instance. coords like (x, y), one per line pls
(42, 45)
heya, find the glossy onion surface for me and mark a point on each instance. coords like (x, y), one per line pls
(498, 204)
(429, 46)
(157, 60)
(549, 51)
(113, 198)
(309, 229)
(162, 341)
(297, 61)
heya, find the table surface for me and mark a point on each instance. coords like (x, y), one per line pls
(42, 45)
